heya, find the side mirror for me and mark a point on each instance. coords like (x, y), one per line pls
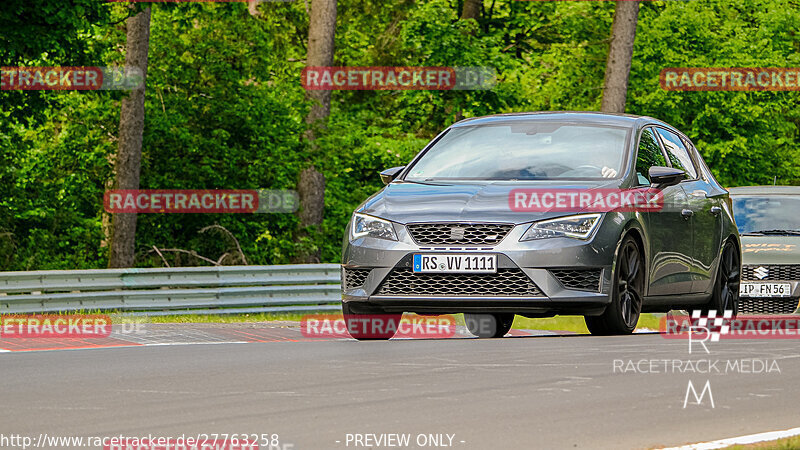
(388, 175)
(662, 177)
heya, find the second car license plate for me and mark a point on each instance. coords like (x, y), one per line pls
(454, 263)
(765, 290)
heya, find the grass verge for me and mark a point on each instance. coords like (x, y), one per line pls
(558, 323)
(791, 443)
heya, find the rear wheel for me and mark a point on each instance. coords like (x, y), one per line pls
(366, 327)
(489, 325)
(726, 288)
(622, 314)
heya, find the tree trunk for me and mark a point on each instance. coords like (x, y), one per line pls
(620, 53)
(312, 196)
(129, 153)
(311, 183)
(471, 9)
(252, 7)
(321, 33)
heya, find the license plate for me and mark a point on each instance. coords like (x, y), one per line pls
(765, 290)
(454, 263)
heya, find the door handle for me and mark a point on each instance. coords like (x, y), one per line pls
(715, 210)
(687, 213)
(699, 194)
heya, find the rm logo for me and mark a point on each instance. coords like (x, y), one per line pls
(698, 399)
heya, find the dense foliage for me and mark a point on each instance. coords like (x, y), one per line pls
(225, 106)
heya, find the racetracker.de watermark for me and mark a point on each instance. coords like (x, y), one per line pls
(196, 1)
(602, 0)
(70, 78)
(55, 326)
(596, 200)
(730, 79)
(410, 326)
(170, 201)
(398, 78)
(716, 327)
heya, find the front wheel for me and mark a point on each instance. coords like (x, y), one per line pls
(489, 325)
(365, 327)
(726, 288)
(622, 314)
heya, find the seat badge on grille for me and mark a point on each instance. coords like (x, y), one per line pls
(457, 233)
(761, 272)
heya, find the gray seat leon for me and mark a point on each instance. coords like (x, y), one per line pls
(539, 214)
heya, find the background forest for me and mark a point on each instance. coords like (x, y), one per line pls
(225, 108)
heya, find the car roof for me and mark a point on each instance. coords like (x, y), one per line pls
(594, 117)
(765, 190)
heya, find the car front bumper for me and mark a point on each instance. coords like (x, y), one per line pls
(539, 260)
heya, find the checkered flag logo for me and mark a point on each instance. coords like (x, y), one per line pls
(721, 325)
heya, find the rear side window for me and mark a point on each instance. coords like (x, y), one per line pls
(649, 155)
(702, 166)
(678, 155)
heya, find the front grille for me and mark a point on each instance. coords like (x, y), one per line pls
(504, 283)
(458, 233)
(767, 305)
(586, 280)
(774, 273)
(354, 278)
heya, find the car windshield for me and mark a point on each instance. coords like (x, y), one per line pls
(524, 151)
(777, 214)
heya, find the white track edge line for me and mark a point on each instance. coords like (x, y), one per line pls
(740, 440)
(131, 345)
(164, 344)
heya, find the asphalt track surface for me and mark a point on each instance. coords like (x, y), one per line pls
(548, 392)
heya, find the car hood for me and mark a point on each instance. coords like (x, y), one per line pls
(763, 250)
(406, 202)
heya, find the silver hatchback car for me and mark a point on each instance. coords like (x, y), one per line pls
(540, 214)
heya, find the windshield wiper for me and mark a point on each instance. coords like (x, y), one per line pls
(773, 232)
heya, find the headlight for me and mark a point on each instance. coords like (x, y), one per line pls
(578, 227)
(364, 225)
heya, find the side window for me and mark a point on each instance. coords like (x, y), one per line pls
(702, 168)
(678, 155)
(702, 165)
(649, 155)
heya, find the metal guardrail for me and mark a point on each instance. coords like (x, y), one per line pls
(179, 290)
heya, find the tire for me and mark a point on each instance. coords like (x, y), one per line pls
(622, 314)
(489, 325)
(385, 325)
(725, 296)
